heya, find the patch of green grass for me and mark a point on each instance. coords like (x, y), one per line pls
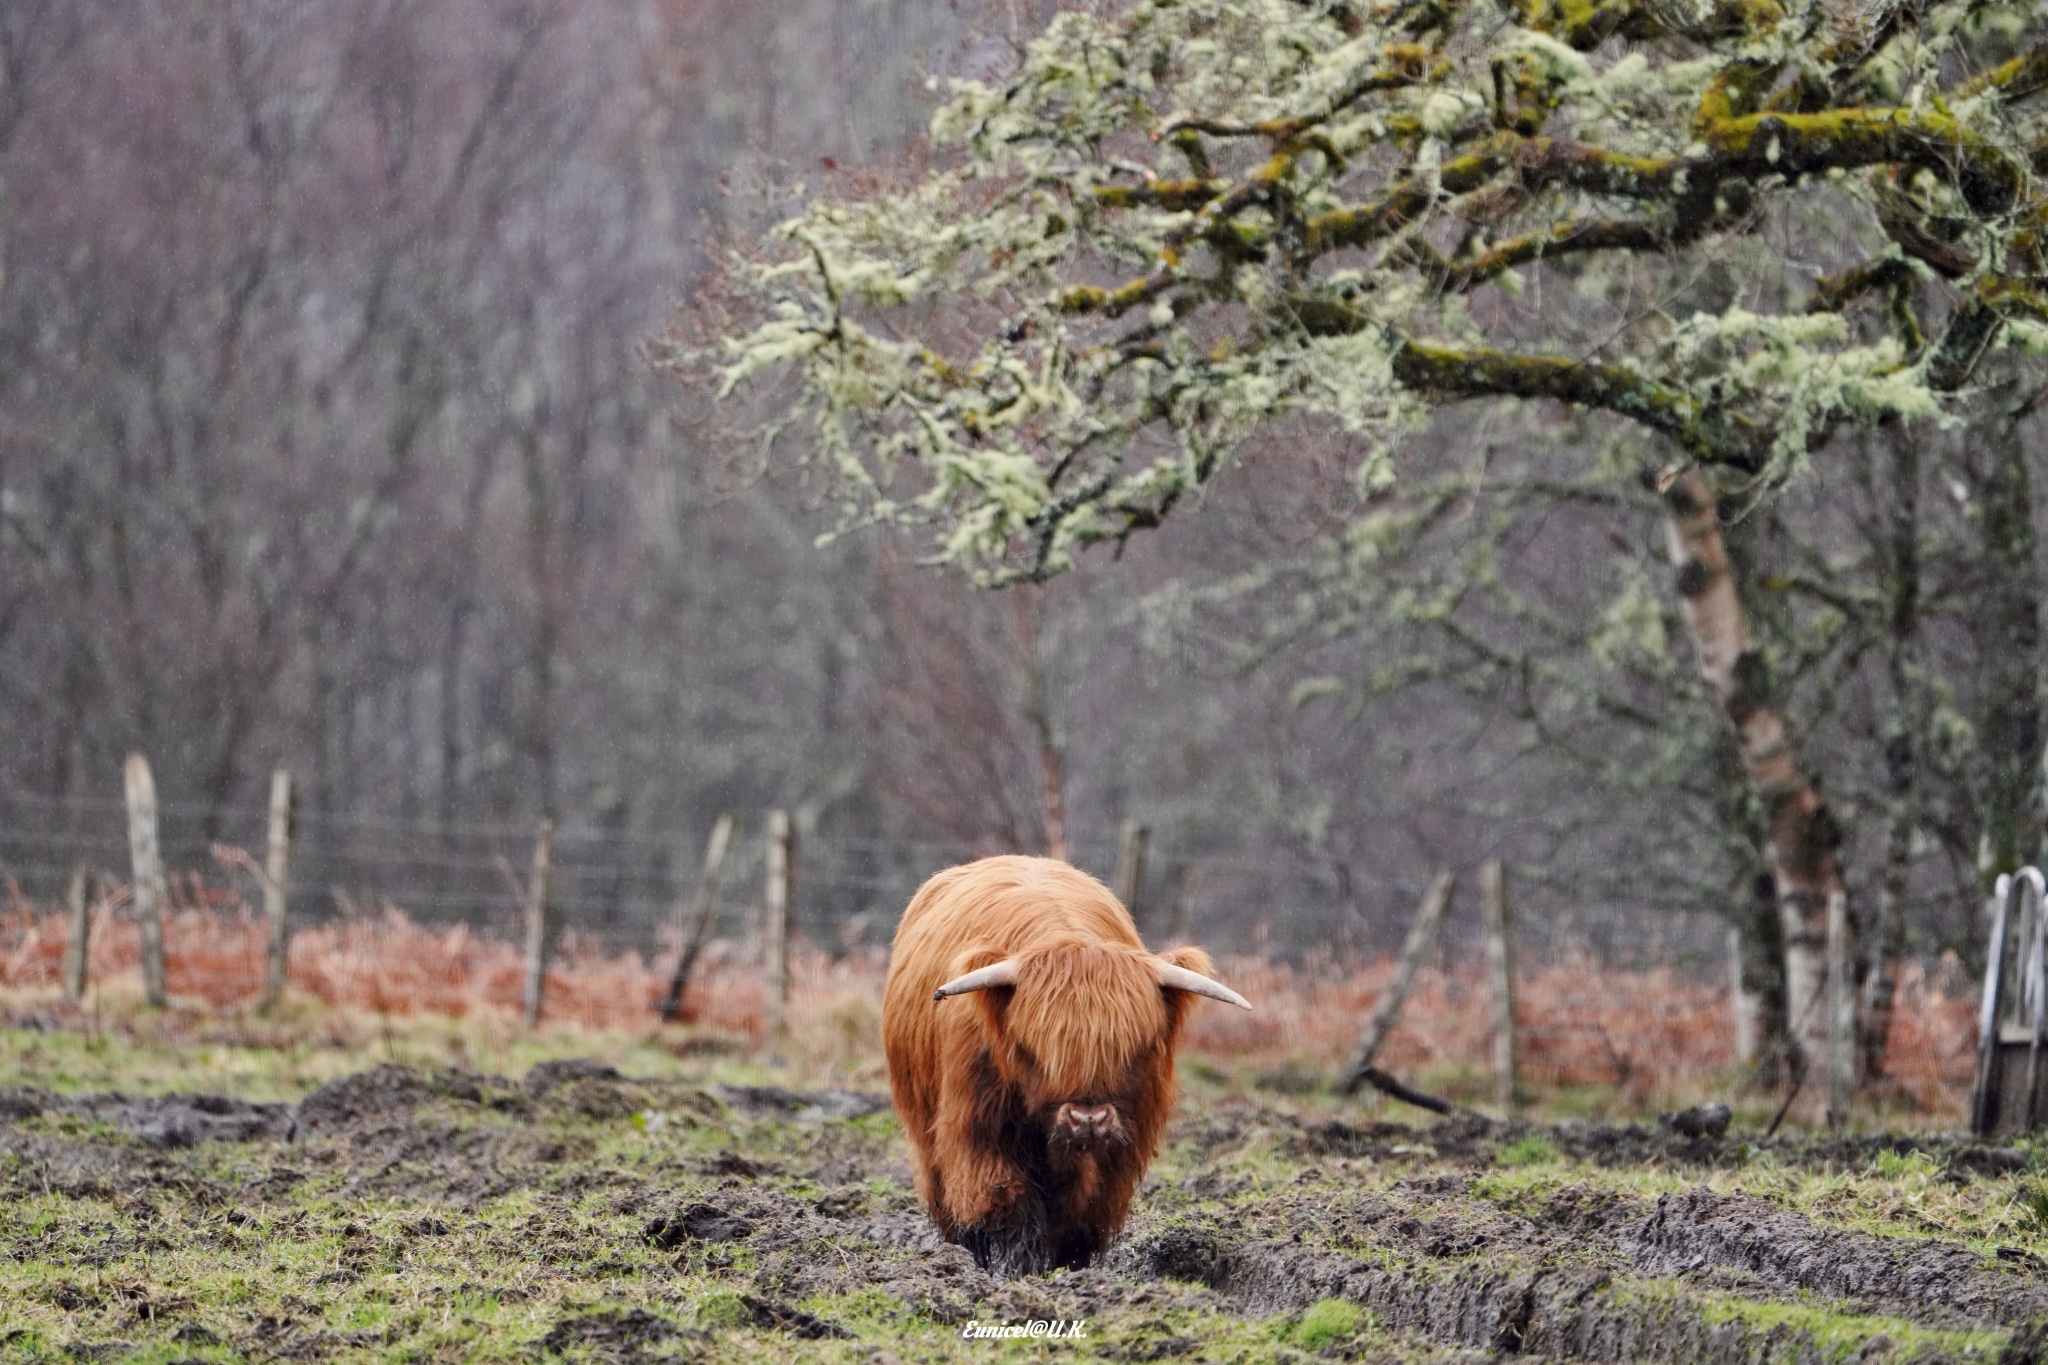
(1519, 1189)
(2030, 1208)
(1530, 1149)
(1905, 1165)
(1323, 1322)
(867, 1311)
(1839, 1335)
(721, 1310)
(1901, 1195)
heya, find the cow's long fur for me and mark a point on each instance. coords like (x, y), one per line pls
(977, 1078)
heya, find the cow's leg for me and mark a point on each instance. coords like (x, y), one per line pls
(987, 1178)
(1073, 1236)
(978, 1182)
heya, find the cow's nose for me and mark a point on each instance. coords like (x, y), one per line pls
(1087, 1121)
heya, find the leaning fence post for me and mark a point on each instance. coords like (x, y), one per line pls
(1500, 974)
(149, 874)
(540, 920)
(694, 919)
(78, 940)
(1421, 935)
(1130, 865)
(775, 923)
(277, 873)
(1841, 1020)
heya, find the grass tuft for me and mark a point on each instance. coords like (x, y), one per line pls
(1531, 1149)
(1324, 1322)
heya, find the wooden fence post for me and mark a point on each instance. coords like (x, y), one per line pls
(149, 874)
(1130, 865)
(1187, 885)
(540, 921)
(1841, 1006)
(1984, 1095)
(1742, 1005)
(277, 874)
(775, 923)
(693, 919)
(78, 941)
(1421, 935)
(1500, 974)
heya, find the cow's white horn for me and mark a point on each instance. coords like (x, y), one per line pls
(1181, 979)
(1002, 973)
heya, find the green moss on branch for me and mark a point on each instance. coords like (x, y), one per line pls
(1480, 372)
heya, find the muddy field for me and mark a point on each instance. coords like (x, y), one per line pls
(415, 1213)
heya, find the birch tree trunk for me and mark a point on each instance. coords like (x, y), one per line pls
(1800, 833)
(1752, 913)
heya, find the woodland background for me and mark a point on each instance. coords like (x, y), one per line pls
(333, 441)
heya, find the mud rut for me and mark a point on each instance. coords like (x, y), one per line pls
(1590, 1274)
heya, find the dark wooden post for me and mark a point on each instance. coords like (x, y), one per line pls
(775, 924)
(1421, 936)
(149, 874)
(1984, 1094)
(277, 875)
(78, 938)
(1500, 976)
(2034, 988)
(540, 921)
(693, 918)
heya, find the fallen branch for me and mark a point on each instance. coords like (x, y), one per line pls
(1387, 1085)
(1798, 1080)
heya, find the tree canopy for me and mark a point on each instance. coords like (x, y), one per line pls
(1170, 226)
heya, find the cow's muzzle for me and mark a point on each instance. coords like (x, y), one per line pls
(1088, 1124)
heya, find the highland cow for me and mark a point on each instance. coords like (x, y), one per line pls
(1034, 1106)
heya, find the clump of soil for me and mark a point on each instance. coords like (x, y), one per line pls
(614, 1335)
(781, 1317)
(804, 1106)
(156, 1120)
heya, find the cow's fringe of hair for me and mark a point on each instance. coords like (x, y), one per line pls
(1079, 1051)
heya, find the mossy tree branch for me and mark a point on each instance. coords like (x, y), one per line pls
(1297, 228)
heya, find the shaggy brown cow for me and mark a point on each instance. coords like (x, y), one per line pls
(1032, 1108)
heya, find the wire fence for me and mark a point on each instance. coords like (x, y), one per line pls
(400, 916)
(1653, 1036)
(620, 889)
